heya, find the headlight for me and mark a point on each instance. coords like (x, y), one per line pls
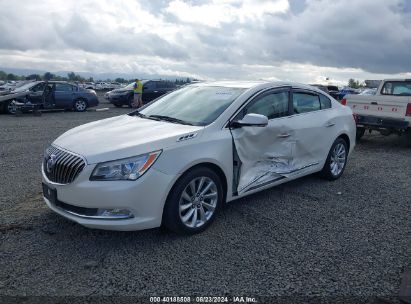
(124, 169)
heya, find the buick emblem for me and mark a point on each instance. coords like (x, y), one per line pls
(51, 162)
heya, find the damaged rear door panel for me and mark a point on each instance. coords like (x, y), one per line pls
(290, 145)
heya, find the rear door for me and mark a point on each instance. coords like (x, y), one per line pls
(315, 125)
(265, 155)
(63, 95)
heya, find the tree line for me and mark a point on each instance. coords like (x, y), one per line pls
(73, 77)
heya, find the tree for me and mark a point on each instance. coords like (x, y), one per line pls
(48, 76)
(352, 83)
(11, 77)
(3, 75)
(71, 76)
(33, 77)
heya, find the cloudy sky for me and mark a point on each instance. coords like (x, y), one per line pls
(299, 40)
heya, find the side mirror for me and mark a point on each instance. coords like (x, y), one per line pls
(251, 120)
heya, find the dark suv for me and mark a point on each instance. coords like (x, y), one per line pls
(151, 90)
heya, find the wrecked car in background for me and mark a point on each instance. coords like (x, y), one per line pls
(177, 160)
(51, 94)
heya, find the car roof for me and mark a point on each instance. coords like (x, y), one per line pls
(261, 83)
(397, 79)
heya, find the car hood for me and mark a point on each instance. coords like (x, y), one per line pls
(121, 137)
(119, 91)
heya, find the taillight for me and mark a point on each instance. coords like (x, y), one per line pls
(344, 101)
(408, 112)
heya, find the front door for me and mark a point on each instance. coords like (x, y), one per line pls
(265, 155)
(63, 95)
(36, 94)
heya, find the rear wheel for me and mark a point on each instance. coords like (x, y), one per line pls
(193, 202)
(360, 133)
(80, 105)
(336, 161)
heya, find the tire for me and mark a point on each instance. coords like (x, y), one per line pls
(9, 108)
(408, 137)
(80, 105)
(188, 213)
(360, 133)
(334, 168)
(117, 105)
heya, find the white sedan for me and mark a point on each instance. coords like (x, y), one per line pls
(178, 159)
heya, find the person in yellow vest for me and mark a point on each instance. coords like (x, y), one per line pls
(138, 94)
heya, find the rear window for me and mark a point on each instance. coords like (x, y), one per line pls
(398, 88)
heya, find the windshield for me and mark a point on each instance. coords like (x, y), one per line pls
(196, 105)
(25, 87)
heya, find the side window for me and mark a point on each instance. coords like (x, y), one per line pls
(148, 85)
(399, 88)
(38, 87)
(305, 102)
(63, 87)
(325, 102)
(160, 85)
(273, 105)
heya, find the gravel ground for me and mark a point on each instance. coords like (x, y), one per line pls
(350, 238)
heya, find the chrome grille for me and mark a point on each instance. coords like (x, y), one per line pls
(60, 166)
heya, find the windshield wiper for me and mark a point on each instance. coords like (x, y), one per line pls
(171, 119)
(137, 113)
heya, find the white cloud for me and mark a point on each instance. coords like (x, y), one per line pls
(216, 39)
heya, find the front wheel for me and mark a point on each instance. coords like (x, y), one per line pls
(193, 202)
(10, 107)
(336, 161)
(80, 105)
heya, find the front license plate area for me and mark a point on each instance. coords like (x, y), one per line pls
(50, 194)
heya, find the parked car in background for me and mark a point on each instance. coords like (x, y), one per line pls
(152, 89)
(346, 91)
(8, 86)
(321, 87)
(368, 92)
(52, 95)
(333, 91)
(177, 160)
(387, 111)
(89, 85)
(101, 86)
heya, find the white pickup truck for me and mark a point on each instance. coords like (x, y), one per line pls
(388, 111)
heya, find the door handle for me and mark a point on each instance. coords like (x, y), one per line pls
(155, 91)
(330, 125)
(284, 135)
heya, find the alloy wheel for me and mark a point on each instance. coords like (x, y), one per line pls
(80, 105)
(11, 107)
(198, 202)
(338, 159)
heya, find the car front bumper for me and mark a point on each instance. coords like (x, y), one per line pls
(113, 98)
(144, 198)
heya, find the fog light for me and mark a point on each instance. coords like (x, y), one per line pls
(115, 213)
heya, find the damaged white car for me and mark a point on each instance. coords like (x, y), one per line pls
(178, 159)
